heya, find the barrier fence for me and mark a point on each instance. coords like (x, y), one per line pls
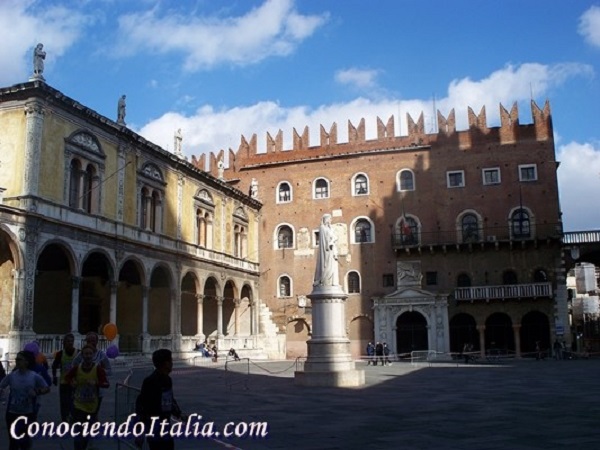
(125, 397)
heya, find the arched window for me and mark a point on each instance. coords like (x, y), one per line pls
(470, 228)
(321, 188)
(74, 180)
(520, 224)
(361, 185)
(509, 277)
(84, 168)
(201, 227)
(144, 195)
(285, 237)
(406, 180)
(284, 193)
(362, 231)
(463, 280)
(239, 241)
(284, 287)
(89, 178)
(151, 179)
(353, 283)
(205, 209)
(408, 231)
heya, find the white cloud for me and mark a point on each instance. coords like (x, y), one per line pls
(360, 78)
(273, 29)
(24, 23)
(507, 85)
(589, 26)
(579, 182)
(212, 130)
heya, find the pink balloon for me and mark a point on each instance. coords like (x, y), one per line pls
(112, 351)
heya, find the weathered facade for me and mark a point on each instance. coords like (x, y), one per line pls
(445, 238)
(98, 225)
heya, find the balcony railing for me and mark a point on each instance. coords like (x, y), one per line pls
(581, 237)
(475, 236)
(508, 291)
(130, 233)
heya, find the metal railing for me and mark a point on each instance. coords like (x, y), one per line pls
(581, 237)
(475, 236)
(509, 291)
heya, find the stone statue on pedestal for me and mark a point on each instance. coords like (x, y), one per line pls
(327, 272)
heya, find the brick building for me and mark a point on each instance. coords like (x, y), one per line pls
(445, 239)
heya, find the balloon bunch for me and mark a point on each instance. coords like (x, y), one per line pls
(110, 331)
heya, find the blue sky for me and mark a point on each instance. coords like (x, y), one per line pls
(222, 69)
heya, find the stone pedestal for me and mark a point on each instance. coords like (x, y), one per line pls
(329, 361)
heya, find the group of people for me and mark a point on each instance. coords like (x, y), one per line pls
(207, 350)
(380, 352)
(81, 377)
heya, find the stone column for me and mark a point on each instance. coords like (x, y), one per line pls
(517, 333)
(329, 362)
(145, 295)
(236, 317)
(219, 317)
(251, 305)
(200, 317)
(113, 303)
(76, 282)
(481, 330)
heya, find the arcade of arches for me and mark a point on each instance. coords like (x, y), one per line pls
(145, 303)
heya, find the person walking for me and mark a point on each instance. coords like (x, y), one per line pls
(25, 386)
(156, 399)
(379, 353)
(63, 362)
(557, 350)
(86, 378)
(370, 353)
(386, 355)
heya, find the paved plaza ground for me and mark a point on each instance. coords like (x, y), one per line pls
(524, 404)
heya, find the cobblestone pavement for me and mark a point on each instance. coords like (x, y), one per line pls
(512, 405)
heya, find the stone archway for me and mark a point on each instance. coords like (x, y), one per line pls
(499, 334)
(129, 306)
(535, 327)
(189, 305)
(94, 293)
(210, 309)
(463, 330)
(7, 283)
(411, 332)
(159, 302)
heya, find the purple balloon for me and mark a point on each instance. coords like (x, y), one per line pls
(32, 347)
(112, 351)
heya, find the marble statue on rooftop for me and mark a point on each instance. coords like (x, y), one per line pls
(39, 55)
(178, 145)
(121, 110)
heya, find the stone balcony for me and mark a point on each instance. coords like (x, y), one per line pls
(503, 292)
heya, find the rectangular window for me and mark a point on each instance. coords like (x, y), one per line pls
(388, 280)
(431, 278)
(456, 178)
(527, 172)
(491, 176)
